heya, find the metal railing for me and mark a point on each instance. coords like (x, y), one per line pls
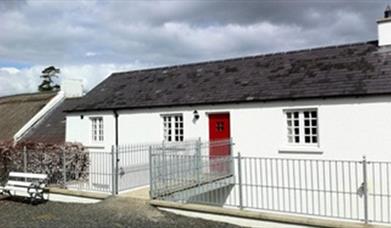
(180, 166)
(355, 189)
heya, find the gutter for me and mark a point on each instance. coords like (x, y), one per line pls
(37, 117)
(326, 97)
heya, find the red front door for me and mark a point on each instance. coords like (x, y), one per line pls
(219, 130)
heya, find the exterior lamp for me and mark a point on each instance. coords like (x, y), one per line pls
(196, 115)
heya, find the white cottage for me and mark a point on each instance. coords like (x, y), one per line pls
(329, 102)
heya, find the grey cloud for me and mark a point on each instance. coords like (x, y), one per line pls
(153, 33)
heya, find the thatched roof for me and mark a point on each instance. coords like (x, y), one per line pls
(16, 111)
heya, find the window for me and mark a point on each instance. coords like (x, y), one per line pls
(97, 129)
(173, 128)
(302, 127)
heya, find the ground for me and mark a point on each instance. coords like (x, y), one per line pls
(112, 212)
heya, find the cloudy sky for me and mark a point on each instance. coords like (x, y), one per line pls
(90, 39)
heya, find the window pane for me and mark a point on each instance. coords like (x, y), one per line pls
(314, 139)
(306, 123)
(307, 139)
(297, 139)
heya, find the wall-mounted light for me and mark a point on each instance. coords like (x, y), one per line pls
(196, 116)
(81, 117)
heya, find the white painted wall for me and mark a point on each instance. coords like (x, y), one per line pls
(384, 32)
(78, 129)
(348, 128)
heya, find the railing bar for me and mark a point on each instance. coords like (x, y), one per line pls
(374, 191)
(300, 184)
(251, 179)
(324, 188)
(283, 183)
(336, 185)
(343, 188)
(257, 182)
(388, 191)
(350, 189)
(305, 187)
(272, 182)
(318, 186)
(261, 181)
(294, 184)
(278, 183)
(381, 192)
(357, 185)
(288, 180)
(331, 186)
(267, 182)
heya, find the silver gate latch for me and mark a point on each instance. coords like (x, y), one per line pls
(361, 190)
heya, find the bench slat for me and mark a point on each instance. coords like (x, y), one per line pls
(19, 189)
(18, 183)
(28, 175)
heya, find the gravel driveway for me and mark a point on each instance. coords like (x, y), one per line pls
(112, 212)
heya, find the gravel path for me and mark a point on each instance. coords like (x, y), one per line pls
(113, 212)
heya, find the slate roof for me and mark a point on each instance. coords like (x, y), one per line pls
(51, 128)
(16, 111)
(359, 69)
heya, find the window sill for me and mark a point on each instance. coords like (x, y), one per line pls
(95, 146)
(300, 150)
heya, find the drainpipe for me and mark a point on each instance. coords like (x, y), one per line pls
(116, 127)
(116, 151)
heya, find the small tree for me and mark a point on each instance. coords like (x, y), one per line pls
(47, 83)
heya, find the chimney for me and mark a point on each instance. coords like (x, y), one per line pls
(384, 28)
(72, 88)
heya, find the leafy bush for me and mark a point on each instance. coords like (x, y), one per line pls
(44, 158)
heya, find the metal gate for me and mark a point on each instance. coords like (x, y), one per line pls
(132, 166)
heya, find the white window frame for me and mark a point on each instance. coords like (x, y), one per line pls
(173, 127)
(97, 129)
(289, 132)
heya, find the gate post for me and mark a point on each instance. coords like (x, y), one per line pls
(240, 181)
(365, 189)
(198, 160)
(116, 168)
(150, 173)
(112, 171)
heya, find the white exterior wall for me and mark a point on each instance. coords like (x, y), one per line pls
(78, 130)
(348, 128)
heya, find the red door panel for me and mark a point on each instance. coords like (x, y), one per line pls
(219, 129)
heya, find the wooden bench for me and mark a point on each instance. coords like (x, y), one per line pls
(26, 184)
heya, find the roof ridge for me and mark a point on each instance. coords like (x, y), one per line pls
(25, 94)
(245, 57)
(27, 97)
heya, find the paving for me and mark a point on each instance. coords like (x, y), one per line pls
(112, 212)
